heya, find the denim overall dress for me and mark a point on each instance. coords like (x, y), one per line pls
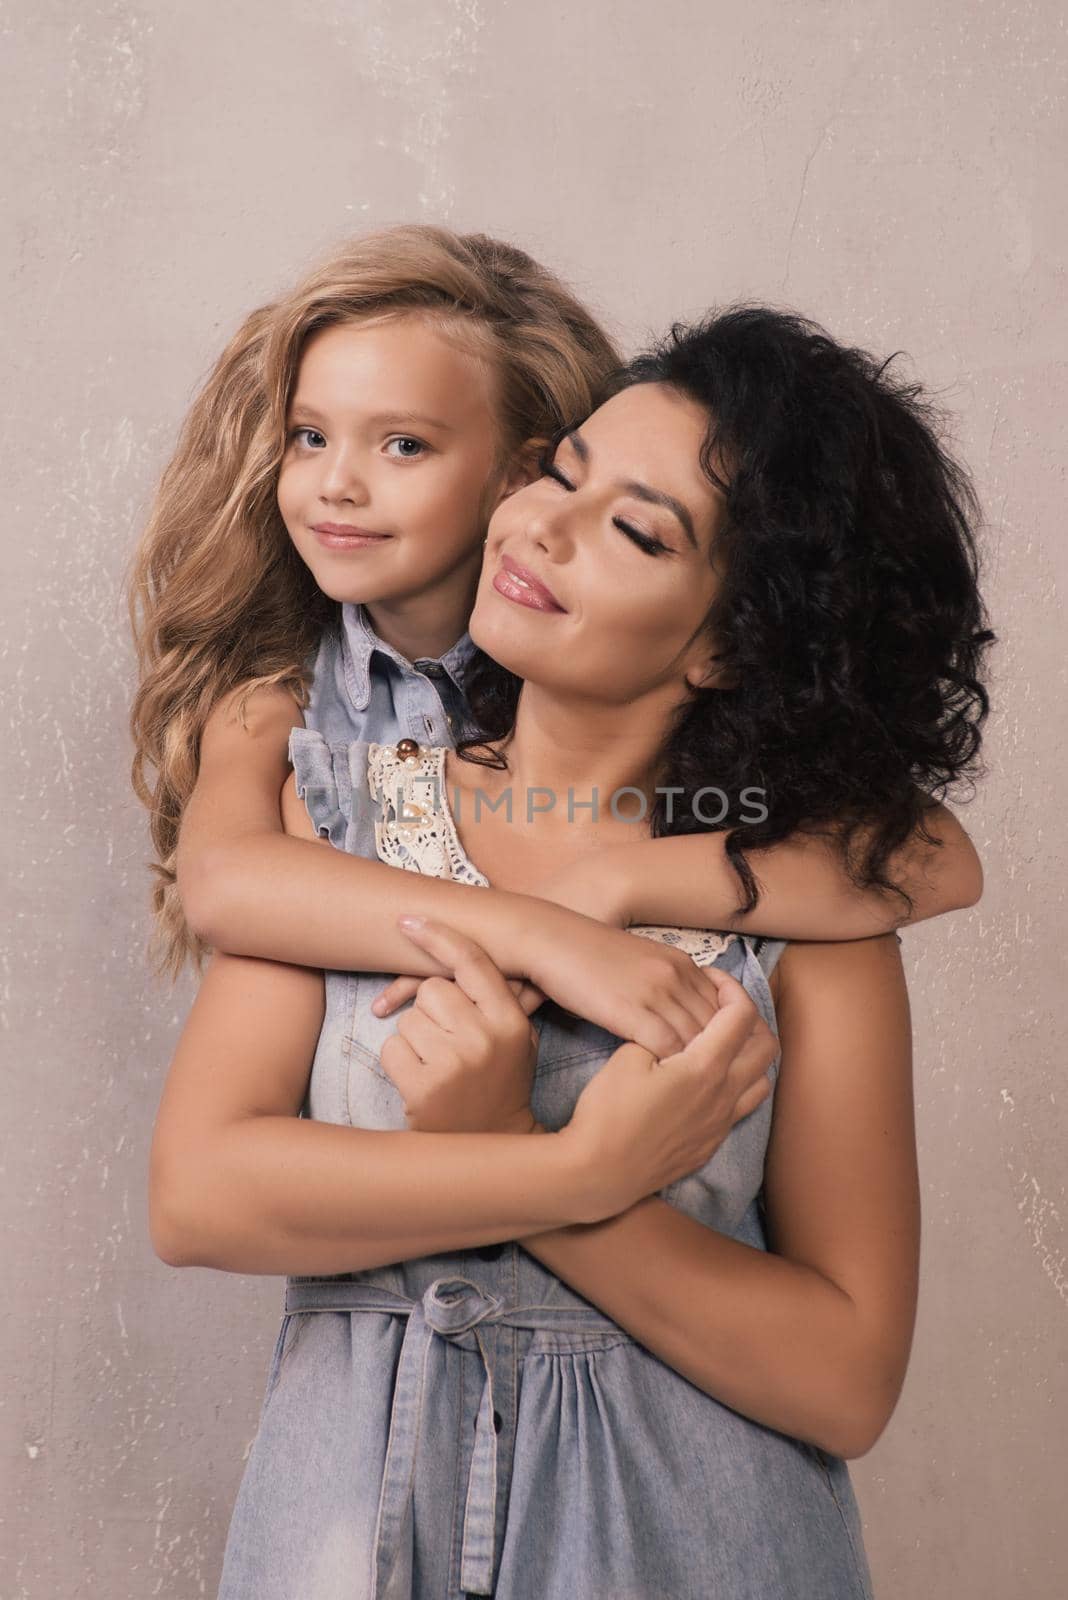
(466, 1423)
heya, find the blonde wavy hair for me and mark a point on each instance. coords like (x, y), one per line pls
(218, 598)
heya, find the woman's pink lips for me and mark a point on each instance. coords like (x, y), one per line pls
(343, 536)
(526, 592)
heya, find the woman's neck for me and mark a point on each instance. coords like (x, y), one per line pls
(564, 754)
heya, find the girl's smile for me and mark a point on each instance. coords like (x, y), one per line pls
(391, 442)
(342, 536)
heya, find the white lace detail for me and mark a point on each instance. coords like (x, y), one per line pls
(416, 831)
(699, 943)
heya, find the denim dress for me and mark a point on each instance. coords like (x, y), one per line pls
(468, 1424)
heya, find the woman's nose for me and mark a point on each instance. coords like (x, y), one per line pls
(551, 528)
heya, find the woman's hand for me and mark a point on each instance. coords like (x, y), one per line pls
(463, 1056)
(641, 1123)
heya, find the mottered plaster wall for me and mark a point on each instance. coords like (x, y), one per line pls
(895, 171)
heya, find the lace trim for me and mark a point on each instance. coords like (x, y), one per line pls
(416, 831)
(700, 943)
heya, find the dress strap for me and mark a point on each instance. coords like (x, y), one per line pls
(767, 952)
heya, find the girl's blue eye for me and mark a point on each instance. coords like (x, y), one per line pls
(405, 454)
(315, 432)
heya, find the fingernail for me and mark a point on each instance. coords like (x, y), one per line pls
(411, 923)
(378, 1007)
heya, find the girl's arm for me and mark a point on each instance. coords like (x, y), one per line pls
(250, 888)
(686, 880)
(814, 1339)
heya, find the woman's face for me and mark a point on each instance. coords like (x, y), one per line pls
(390, 430)
(620, 533)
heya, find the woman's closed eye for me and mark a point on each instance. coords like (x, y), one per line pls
(645, 541)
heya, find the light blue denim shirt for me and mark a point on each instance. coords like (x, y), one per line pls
(365, 689)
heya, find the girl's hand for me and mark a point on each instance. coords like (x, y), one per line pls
(463, 1056)
(638, 988)
(634, 987)
(595, 887)
(641, 1123)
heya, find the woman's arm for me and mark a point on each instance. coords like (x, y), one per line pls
(814, 1339)
(239, 1182)
(687, 880)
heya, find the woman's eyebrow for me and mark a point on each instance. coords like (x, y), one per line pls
(641, 491)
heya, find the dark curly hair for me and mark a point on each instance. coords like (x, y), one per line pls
(849, 624)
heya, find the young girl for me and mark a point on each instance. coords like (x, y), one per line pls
(653, 1395)
(251, 581)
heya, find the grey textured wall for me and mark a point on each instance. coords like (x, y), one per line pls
(895, 170)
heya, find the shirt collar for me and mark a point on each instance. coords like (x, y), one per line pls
(360, 641)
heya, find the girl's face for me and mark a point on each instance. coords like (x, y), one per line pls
(620, 532)
(387, 479)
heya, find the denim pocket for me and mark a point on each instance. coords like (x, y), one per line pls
(571, 1050)
(558, 1084)
(372, 1099)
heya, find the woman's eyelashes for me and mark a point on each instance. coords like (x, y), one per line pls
(645, 541)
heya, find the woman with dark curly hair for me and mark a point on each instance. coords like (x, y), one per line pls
(848, 626)
(644, 1344)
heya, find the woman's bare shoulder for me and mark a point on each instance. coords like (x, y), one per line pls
(830, 958)
(846, 974)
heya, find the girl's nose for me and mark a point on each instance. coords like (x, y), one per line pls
(341, 478)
